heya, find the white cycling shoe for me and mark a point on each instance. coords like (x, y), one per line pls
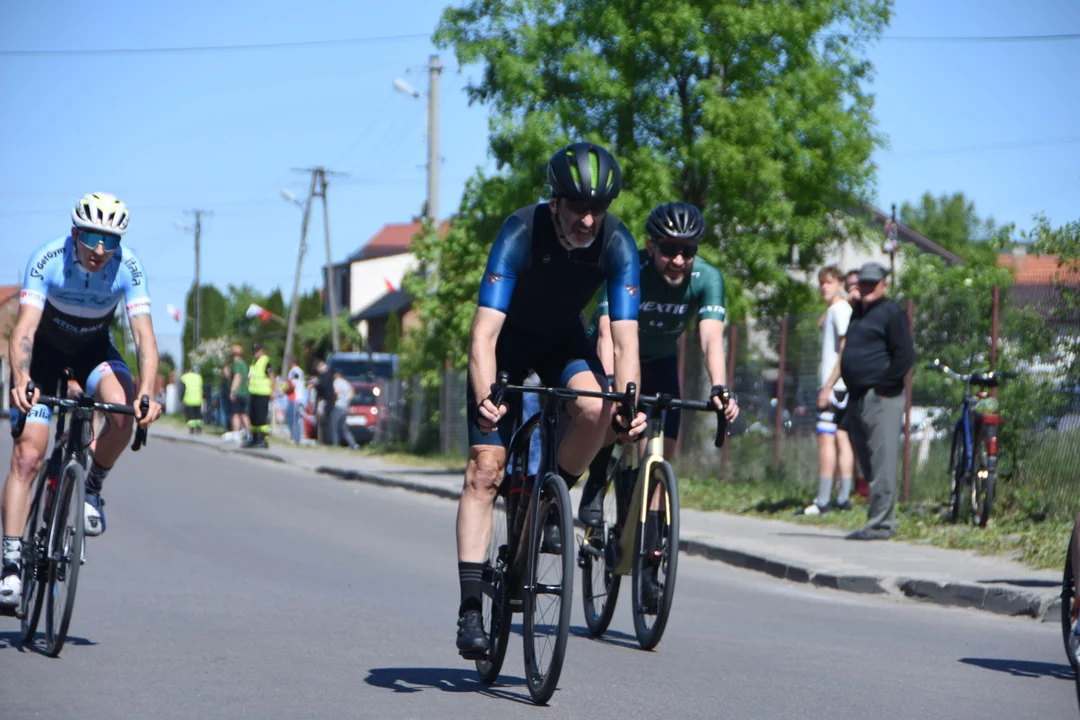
(11, 590)
(94, 515)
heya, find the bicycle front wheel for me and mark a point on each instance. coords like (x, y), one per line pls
(35, 555)
(1068, 604)
(597, 558)
(496, 597)
(656, 559)
(65, 556)
(984, 480)
(549, 590)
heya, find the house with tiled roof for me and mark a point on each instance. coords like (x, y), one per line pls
(368, 282)
(1044, 282)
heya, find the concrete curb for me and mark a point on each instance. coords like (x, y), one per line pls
(998, 599)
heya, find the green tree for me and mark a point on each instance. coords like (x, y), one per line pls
(213, 307)
(316, 341)
(310, 306)
(754, 111)
(951, 221)
(393, 332)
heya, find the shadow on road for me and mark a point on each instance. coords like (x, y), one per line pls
(610, 637)
(455, 680)
(13, 640)
(1024, 668)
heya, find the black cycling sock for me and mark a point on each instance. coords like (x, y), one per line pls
(598, 469)
(96, 477)
(12, 552)
(570, 478)
(471, 576)
(652, 531)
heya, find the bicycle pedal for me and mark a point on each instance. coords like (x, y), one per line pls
(473, 655)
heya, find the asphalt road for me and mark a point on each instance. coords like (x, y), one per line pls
(228, 587)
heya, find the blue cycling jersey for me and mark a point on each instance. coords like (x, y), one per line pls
(543, 287)
(78, 305)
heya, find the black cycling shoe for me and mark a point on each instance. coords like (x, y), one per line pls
(552, 542)
(651, 593)
(591, 509)
(472, 641)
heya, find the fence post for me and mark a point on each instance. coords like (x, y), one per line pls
(733, 348)
(778, 424)
(444, 411)
(907, 411)
(995, 318)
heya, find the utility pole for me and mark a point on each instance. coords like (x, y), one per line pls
(434, 70)
(196, 335)
(319, 185)
(296, 281)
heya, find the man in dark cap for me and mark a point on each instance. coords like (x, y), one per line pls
(874, 360)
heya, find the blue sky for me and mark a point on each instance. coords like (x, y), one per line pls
(220, 130)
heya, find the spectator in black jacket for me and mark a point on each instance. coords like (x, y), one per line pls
(324, 392)
(874, 360)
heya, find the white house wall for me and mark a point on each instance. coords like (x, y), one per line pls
(368, 278)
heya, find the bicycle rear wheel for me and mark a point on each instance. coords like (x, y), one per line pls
(1068, 603)
(65, 555)
(957, 474)
(597, 558)
(496, 597)
(549, 591)
(656, 565)
(34, 555)
(984, 478)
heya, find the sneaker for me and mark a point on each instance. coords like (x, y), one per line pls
(95, 514)
(11, 588)
(814, 509)
(846, 505)
(472, 641)
(870, 534)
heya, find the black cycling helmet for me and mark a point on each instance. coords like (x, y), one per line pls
(584, 171)
(675, 221)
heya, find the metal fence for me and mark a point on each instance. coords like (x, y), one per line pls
(1033, 329)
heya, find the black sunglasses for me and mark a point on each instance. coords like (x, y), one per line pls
(671, 249)
(580, 207)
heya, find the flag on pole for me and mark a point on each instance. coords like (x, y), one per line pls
(174, 312)
(262, 313)
(389, 285)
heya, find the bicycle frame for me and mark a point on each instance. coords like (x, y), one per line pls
(639, 506)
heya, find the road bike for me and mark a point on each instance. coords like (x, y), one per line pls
(974, 452)
(650, 553)
(524, 571)
(52, 545)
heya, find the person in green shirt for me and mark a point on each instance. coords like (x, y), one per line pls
(676, 286)
(260, 387)
(238, 392)
(192, 383)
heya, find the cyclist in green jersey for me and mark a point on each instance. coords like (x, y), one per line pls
(676, 286)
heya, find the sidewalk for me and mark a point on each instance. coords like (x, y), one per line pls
(799, 553)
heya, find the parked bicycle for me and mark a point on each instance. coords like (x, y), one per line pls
(650, 552)
(53, 547)
(524, 571)
(974, 452)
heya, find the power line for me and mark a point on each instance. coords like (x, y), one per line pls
(218, 48)
(989, 146)
(979, 38)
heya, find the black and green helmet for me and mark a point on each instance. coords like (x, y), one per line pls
(675, 221)
(584, 171)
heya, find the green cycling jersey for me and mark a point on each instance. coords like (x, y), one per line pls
(664, 310)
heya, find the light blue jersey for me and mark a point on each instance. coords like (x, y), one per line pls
(78, 305)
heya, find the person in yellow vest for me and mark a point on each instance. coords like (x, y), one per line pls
(193, 399)
(260, 387)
